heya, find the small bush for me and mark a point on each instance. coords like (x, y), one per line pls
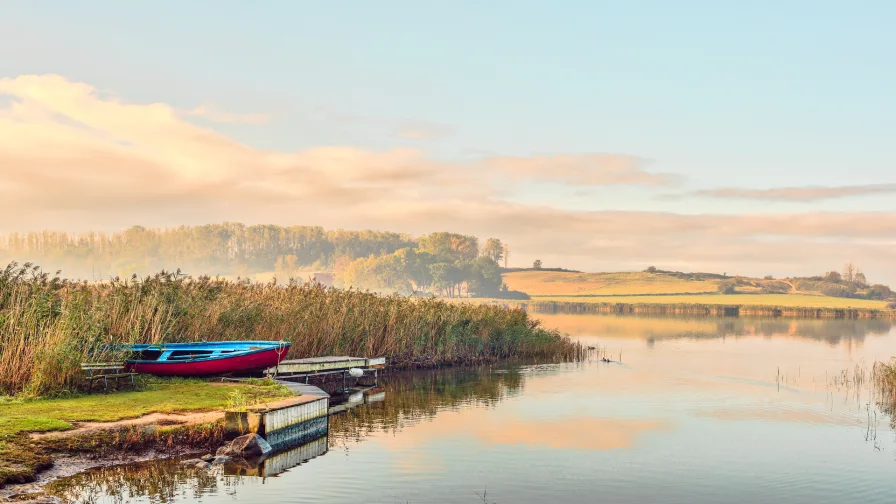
(776, 287)
(879, 292)
(513, 294)
(728, 287)
(843, 291)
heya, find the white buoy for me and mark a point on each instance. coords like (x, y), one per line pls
(356, 372)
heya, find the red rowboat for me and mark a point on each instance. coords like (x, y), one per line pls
(203, 359)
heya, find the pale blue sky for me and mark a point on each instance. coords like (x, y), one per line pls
(725, 94)
(755, 94)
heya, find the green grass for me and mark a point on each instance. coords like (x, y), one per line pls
(20, 460)
(159, 396)
(782, 300)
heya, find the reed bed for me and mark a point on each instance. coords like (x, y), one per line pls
(48, 325)
(884, 377)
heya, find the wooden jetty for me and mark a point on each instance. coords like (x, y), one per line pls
(321, 365)
(285, 421)
(280, 422)
(316, 366)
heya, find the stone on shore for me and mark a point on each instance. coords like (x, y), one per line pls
(208, 457)
(247, 446)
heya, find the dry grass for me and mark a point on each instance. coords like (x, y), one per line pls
(49, 326)
(559, 283)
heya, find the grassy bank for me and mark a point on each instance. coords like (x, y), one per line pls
(21, 456)
(155, 396)
(48, 326)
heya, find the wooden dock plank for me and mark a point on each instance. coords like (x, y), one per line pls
(316, 364)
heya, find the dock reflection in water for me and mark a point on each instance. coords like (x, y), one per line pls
(282, 460)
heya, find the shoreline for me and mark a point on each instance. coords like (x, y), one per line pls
(719, 310)
(152, 436)
(73, 452)
(44, 439)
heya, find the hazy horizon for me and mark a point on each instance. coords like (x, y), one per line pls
(594, 137)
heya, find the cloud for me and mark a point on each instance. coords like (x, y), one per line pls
(74, 159)
(422, 131)
(214, 114)
(791, 194)
(598, 169)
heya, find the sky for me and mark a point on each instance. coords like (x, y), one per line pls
(751, 138)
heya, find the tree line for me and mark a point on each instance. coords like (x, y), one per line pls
(850, 283)
(448, 264)
(214, 249)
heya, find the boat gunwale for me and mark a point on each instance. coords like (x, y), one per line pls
(269, 346)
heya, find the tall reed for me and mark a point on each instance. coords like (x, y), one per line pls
(884, 376)
(49, 325)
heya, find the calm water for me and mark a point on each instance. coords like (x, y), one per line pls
(699, 410)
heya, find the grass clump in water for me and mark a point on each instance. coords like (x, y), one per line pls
(48, 325)
(884, 376)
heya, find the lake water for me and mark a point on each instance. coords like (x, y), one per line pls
(699, 410)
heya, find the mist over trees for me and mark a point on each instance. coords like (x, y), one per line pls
(224, 249)
(448, 264)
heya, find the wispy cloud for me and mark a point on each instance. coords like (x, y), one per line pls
(596, 169)
(213, 113)
(422, 130)
(73, 159)
(804, 194)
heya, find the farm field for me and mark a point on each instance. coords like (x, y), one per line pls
(556, 283)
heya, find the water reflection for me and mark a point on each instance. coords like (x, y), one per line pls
(657, 327)
(414, 397)
(281, 461)
(157, 482)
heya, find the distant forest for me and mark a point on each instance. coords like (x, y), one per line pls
(448, 264)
